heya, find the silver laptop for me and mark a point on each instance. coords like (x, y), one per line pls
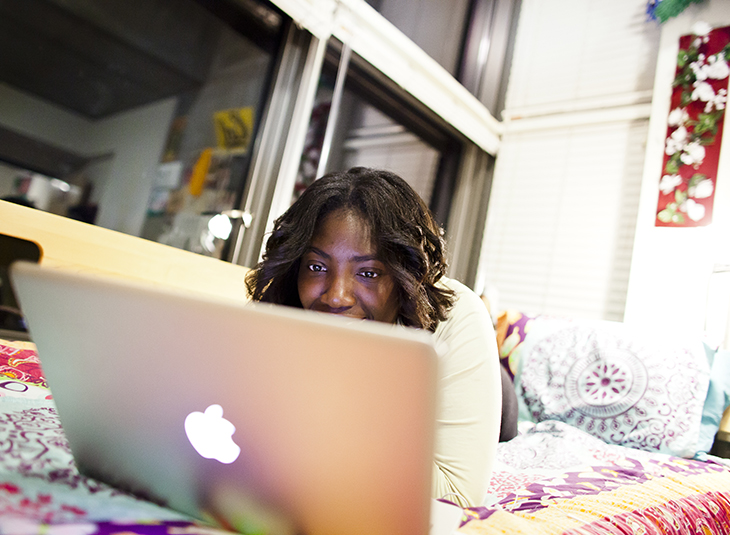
(251, 414)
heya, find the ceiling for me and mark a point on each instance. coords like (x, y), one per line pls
(98, 58)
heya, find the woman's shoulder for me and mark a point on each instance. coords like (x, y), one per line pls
(463, 295)
(468, 310)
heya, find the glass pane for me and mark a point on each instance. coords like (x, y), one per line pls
(375, 126)
(312, 152)
(375, 140)
(135, 115)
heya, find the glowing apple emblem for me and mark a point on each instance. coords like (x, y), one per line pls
(211, 435)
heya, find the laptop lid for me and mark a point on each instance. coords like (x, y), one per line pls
(334, 419)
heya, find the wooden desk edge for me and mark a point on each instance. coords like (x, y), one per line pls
(73, 244)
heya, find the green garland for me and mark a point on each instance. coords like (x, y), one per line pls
(666, 9)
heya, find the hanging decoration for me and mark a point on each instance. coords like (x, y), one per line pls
(662, 10)
(695, 126)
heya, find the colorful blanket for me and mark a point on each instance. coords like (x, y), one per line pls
(552, 479)
(556, 479)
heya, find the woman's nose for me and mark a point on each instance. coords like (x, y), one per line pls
(339, 292)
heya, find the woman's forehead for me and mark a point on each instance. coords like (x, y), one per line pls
(343, 225)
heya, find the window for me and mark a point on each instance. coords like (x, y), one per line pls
(118, 102)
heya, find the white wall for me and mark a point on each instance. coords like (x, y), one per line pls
(137, 139)
(41, 120)
(134, 140)
(671, 267)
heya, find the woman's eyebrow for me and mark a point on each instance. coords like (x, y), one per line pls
(364, 258)
(358, 258)
(318, 252)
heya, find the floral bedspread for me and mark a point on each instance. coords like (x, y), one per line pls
(552, 479)
(556, 479)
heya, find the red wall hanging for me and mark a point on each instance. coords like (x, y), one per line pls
(694, 131)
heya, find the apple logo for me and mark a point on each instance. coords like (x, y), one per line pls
(211, 435)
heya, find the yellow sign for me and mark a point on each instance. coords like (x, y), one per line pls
(234, 127)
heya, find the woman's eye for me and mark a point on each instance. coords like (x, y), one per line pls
(369, 274)
(315, 267)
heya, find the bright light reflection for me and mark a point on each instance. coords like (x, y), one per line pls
(60, 184)
(220, 226)
(247, 218)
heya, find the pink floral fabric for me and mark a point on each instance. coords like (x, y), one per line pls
(556, 479)
(19, 360)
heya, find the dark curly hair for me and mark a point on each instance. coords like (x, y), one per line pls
(407, 240)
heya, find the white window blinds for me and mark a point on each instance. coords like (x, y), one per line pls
(565, 195)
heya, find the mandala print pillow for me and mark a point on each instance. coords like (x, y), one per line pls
(620, 386)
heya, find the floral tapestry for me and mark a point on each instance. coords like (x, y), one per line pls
(695, 126)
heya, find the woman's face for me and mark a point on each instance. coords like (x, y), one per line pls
(340, 272)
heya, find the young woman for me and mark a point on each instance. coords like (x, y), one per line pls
(363, 244)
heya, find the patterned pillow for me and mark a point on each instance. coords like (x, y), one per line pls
(620, 385)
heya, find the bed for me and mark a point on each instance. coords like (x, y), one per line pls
(616, 432)
(617, 427)
(554, 477)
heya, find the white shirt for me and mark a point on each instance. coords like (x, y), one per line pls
(470, 400)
